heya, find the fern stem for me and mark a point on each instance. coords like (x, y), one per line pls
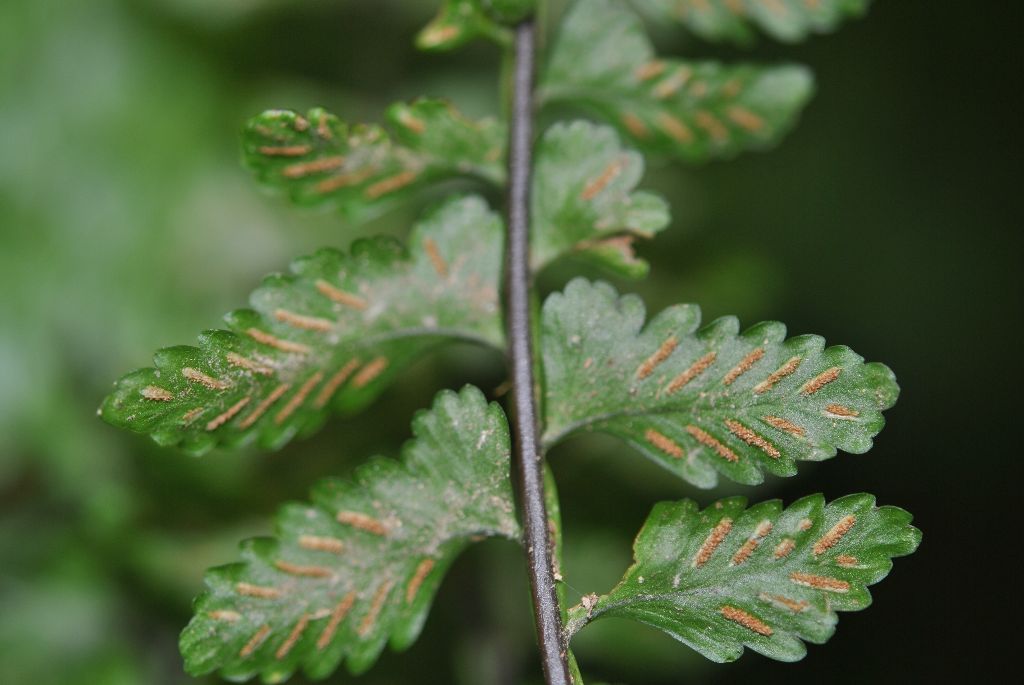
(524, 420)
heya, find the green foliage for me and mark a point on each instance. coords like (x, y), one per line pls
(362, 563)
(703, 401)
(583, 199)
(359, 566)
(334, 332)
(317, 159)
(460, 21)
(785, 20)
(603, 61)
(457, 23)
(766, 578)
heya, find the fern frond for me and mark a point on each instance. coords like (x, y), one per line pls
(761, 577)
(603, 61)
(316, 159)
(361, 564)
(704, 400)
(332, 333)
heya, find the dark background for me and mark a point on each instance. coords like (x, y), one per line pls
(888, 220)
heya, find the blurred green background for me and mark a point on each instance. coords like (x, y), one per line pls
(889, 221)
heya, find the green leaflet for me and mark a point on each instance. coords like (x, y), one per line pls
(361, 564)
(317, 159)
(766, 578)
(583, 201)
(602, 60)
(785, 20)
(334, 332)
(457, 23)
(703, 401)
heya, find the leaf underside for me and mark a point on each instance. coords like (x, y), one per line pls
(784, 20)
(317, 159)
(763, 577)
(583, 201)
(704, 401)
(361, 564)
(332, 333)
(603, 61)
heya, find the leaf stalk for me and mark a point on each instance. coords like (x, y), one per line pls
(525, 445)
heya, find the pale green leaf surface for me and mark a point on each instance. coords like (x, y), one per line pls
(703, 401)
(761, 577)
(360, 565)
(603, 61)
(332, 333)
(457, 23)
(583, 199)
(784, 20)
(316, 159)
